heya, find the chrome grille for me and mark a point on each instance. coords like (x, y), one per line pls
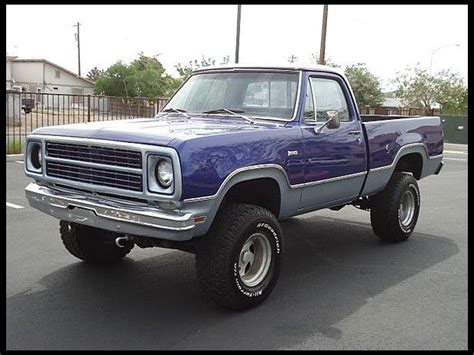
(95, 154)
(96, 176)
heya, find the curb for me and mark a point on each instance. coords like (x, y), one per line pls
(456, 147)
(13, 157)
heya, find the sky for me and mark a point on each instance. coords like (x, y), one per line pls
(387, 38)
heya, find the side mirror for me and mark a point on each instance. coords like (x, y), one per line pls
(334, 121)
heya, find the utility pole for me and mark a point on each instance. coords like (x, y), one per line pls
(237, 36)
(78, 39)
(322, 50)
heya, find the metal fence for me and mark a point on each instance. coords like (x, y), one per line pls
(454, 129)
(26, 111)
(397, 111)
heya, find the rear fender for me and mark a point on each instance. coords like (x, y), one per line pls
(378, 178)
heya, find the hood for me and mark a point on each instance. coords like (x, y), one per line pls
(156, 131)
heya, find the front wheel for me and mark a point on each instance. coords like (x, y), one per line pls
(238, 261)
(394, 211)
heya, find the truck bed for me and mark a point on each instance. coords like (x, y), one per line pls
(386, 136)
(371, 118)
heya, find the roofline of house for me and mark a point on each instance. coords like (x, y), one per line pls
(54, 65)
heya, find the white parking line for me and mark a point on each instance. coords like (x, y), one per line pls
(12, 205)
(455, 159)
(454, 152)
(19, 161)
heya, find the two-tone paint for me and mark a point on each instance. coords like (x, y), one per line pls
(313, 171)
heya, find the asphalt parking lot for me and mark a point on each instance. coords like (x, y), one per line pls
(340, 287)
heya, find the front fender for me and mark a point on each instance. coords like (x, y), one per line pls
(209, 205)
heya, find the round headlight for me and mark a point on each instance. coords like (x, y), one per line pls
(164, 173)
(36, 156)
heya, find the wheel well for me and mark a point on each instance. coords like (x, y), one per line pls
(263, 192)
(411, 163)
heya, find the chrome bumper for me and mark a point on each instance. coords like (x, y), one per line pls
(111, 215)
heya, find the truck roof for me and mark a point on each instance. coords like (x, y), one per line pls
(323, 68)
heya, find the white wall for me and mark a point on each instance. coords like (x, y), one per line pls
(27, 72)
(30, 75)
(65, 79)
(9, 73)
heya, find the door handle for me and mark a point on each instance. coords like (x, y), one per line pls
(354, 133)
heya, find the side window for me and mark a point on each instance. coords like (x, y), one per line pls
(309, 104)
(329, 97)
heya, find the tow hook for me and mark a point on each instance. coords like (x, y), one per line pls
(122, 242)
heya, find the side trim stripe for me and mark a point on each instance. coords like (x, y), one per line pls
(311, 183)
(263, 166)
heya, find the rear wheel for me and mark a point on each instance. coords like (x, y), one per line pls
(394, 211)
(90, 244)
(238, 261)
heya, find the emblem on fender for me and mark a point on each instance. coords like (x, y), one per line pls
(292, 152)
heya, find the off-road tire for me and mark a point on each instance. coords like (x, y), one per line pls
(93, 245)
(218, 252)
(385, 209)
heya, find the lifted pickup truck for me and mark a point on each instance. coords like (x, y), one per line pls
(235, 150)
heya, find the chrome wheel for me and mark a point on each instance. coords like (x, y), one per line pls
(255, 259)
(407, 208)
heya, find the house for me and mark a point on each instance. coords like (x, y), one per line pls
(43, 76)
(393, 105)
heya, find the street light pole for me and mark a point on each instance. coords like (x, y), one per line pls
(322, 50)
(437, 49)
(78, 48)
(237, 36)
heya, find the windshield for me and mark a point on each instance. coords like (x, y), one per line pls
(259, 94)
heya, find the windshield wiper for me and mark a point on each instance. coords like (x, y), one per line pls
(236, 113)
(172, 109)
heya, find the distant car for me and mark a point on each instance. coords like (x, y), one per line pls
(215, 171)
(27, 104)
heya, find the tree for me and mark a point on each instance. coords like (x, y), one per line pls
(418, 88)
(365, 85)
(144, 77)
(315, 60)
(451, 94)
(185, 70)
(94, 74)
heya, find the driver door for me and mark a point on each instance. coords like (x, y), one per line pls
(335, 158)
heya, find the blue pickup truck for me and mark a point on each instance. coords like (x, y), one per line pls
(235, 150)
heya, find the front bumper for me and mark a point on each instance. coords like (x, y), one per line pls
(120, 217)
